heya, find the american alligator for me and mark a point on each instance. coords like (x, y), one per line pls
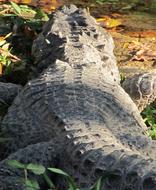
(75, 115)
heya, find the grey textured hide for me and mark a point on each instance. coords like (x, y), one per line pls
(75, 115)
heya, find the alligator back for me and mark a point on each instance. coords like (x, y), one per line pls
(77, 100)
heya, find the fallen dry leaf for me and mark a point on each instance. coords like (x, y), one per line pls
(144, 56)
(116, 15)
(4, 11)
(6, 53)
(142, 52)
(1, 69)
(6, 46)
(4, 37)
(108, 22)
(142, 34)
(131, 45)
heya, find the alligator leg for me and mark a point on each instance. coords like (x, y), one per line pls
(22, 126)
(141, 88)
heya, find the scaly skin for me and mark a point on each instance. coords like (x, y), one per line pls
(78, 101)
(8, 92)
(141, 88)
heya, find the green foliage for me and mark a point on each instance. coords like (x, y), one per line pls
(27, 23)
(106, 1)
(33, 18)
(71, 183)
(16, 164)
(122, 78)
(28, 13)
(149, 115)
(40, 15)
(36, 169)
(32, 184)
(5, 60)
(16, 8)
(98, 184)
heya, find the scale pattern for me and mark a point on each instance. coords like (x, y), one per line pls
(141, 88)
(8, 92)
(77, 113)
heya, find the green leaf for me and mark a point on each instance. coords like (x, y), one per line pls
(16, 164)
(41, 15)
(98, 184)
(31, 185)
(8, 62)
(71, 183)
(7, 70)
(9, 15)
(48, 181)
(100, 181)
(58, 171)
(36, 169)
(16, 7)
(153, 111)
(106, 1)
(127, 7)
(27, 9)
